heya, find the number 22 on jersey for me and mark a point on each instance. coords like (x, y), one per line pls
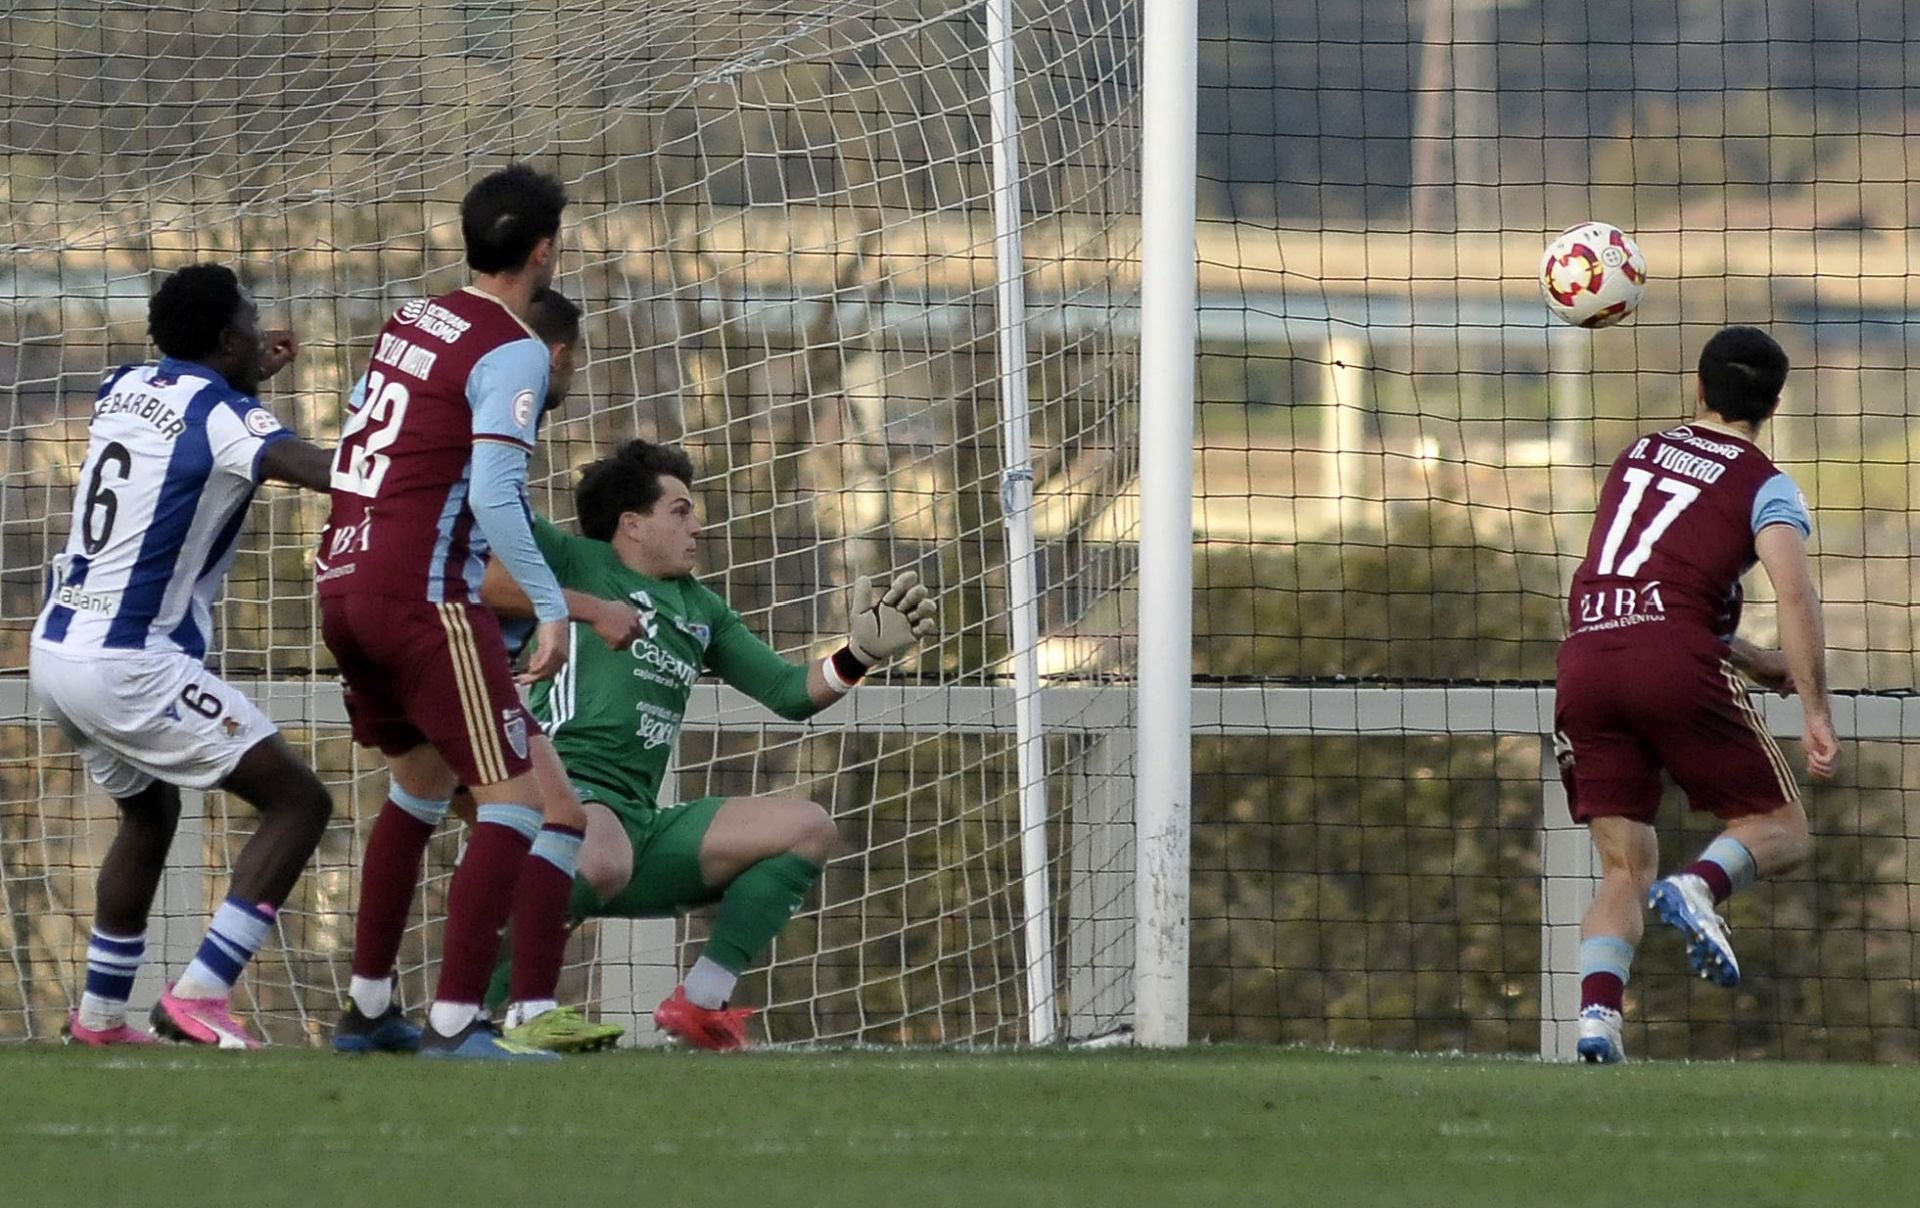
(1679, 496)
(360, 464)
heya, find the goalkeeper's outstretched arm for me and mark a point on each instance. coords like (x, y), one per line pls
(884, 626)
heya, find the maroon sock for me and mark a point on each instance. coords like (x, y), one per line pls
(477, 905)
(389, 873)
(1715, 876)
(540, 913)
(1601, 990)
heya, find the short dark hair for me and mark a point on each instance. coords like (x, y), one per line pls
(627, 481)
(1742, 371)
(506, 213)
(192, 308)
(554, 317)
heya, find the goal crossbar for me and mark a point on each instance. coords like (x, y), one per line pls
(1232, 711)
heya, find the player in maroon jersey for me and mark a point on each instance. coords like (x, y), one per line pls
(1649, 675)
(429, 482)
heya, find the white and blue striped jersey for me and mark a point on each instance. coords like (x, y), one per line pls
(173, 456)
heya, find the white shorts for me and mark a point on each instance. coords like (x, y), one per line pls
(138, 716)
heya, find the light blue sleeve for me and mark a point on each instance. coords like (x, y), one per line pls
(1780, 502)
(357, 397)
(499, 501)
(506, 388)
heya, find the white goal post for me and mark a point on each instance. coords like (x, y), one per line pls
(1163, 804)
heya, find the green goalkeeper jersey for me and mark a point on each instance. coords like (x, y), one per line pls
(614, 715)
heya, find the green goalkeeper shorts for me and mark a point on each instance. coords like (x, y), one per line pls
(666, 854)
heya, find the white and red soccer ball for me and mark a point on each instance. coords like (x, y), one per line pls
(1593, 275)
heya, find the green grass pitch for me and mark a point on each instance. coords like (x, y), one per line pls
(1210, 1126)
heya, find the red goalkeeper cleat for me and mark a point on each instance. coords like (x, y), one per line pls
(717, 1031)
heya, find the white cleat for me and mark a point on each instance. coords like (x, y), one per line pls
(1684, 903)
(1600, 1042)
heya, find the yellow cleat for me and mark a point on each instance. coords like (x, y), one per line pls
(564, 1030)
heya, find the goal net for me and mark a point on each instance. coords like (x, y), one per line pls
(786, 241)
(1399, 452)
(790, 237)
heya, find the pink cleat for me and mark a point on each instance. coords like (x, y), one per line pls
(206, 1021)
(75, 1032)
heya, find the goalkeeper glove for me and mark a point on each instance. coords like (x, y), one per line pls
(885, 626)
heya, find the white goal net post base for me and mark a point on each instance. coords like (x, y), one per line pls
(637, 959)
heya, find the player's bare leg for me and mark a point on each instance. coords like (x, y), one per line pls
(1750, 847)
(130, 874)
(1778, 841)
(1611, 930)
(129, 878)
(294, 808)
(419, 787)
(606, 858)
(767, 852)
(747, 830)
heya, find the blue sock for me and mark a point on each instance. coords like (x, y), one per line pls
(112, 963)
(239, 928)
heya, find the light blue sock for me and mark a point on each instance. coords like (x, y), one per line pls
(1604, 962)
(1734, 859)
(559, 847)
(1606, 954)
(423, 809)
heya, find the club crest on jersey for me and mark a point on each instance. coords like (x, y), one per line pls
(261, 422)
(695, 630)
(649, 614)
(523, 408)
(515, 727)
(231, 726)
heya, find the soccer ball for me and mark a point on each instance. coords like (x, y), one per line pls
(1593, 275)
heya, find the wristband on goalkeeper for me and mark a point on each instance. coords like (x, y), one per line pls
(843, 669)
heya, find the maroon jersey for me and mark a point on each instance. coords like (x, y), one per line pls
(444, 374)
(1672, 536)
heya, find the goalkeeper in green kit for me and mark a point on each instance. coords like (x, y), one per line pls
(614, 716)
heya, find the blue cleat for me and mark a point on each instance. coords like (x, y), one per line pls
(478, 1041)
(1683, 903)
(389, 1032)
(1600, 1042)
